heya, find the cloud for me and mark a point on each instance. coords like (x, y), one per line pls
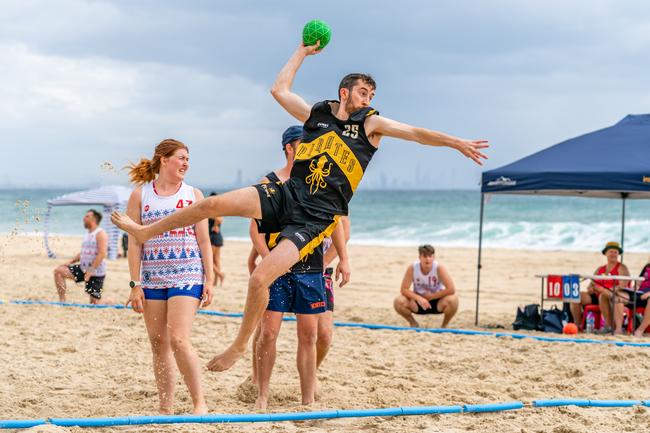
(67, 115)
(90, 81)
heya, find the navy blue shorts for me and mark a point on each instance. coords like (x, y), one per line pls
(298, 293)
(195, 291)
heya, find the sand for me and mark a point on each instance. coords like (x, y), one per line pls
(65, 362)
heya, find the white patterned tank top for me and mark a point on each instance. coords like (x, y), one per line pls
(426, 284)
(171, 259)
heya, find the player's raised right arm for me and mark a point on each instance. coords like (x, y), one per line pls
(281, 90)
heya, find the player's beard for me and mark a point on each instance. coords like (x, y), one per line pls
(350, 108)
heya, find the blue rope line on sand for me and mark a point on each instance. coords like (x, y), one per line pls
(373, 326)
(327, 414)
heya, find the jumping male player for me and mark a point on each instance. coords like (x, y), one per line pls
(340, 138)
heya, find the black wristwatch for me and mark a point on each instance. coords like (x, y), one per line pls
(132, 284)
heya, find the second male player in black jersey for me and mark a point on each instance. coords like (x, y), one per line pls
(340, 139)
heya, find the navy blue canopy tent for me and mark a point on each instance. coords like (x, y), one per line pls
(613, 162)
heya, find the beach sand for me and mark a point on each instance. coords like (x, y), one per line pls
(71, 362)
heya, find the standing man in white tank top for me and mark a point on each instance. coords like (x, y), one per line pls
(91, 265)
(433, 290)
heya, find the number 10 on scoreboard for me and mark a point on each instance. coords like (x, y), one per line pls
(554, 287)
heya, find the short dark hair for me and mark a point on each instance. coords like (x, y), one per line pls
(426, 250)
(350, 80)
(294, 144)
(97, 215)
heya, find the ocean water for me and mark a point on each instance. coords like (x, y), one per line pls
(442, 218)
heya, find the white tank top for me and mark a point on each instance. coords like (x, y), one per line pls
(426, 284)
(89, 252)
(173, 258)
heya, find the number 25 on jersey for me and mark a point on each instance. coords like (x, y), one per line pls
(351, 131)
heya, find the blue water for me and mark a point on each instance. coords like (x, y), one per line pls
(442, 218)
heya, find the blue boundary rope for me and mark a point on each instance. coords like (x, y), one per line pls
(371, 326)
(327, 414)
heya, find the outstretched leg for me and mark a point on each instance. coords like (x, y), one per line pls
(244, 202)
(270, 268)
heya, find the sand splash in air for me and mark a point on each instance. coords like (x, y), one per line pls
(108, 167)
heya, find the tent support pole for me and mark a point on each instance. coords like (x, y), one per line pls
(478, 268)
(624, 197)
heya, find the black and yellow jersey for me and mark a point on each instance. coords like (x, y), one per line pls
(273, 178)
(331, 159)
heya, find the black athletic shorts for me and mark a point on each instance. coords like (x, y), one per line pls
(282, 213)
(93, 286)
(432, 310)
(216, 239)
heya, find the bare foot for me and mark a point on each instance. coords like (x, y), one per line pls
(129, 226)
(226, 359)
(413, 323)
(166, 411)
(618, 332)
(200, 409)
(638, 334)
(261, 403)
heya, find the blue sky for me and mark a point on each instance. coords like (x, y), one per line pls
(86, 83)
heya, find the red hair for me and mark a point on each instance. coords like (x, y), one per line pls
(147, 169)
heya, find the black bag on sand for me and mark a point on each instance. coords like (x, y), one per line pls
(566, 309)
(552, 320)
(528, 318)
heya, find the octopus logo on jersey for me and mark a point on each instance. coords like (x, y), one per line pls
(316, 180)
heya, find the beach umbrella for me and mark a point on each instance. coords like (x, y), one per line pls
(612, 162)
(110, 197)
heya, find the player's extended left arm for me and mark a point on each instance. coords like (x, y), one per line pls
(391, 128)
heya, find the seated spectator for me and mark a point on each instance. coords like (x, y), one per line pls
(608, 308)
(433, 290)
(627, 298)
(597, 287)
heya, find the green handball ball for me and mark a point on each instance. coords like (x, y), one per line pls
(316, 30)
